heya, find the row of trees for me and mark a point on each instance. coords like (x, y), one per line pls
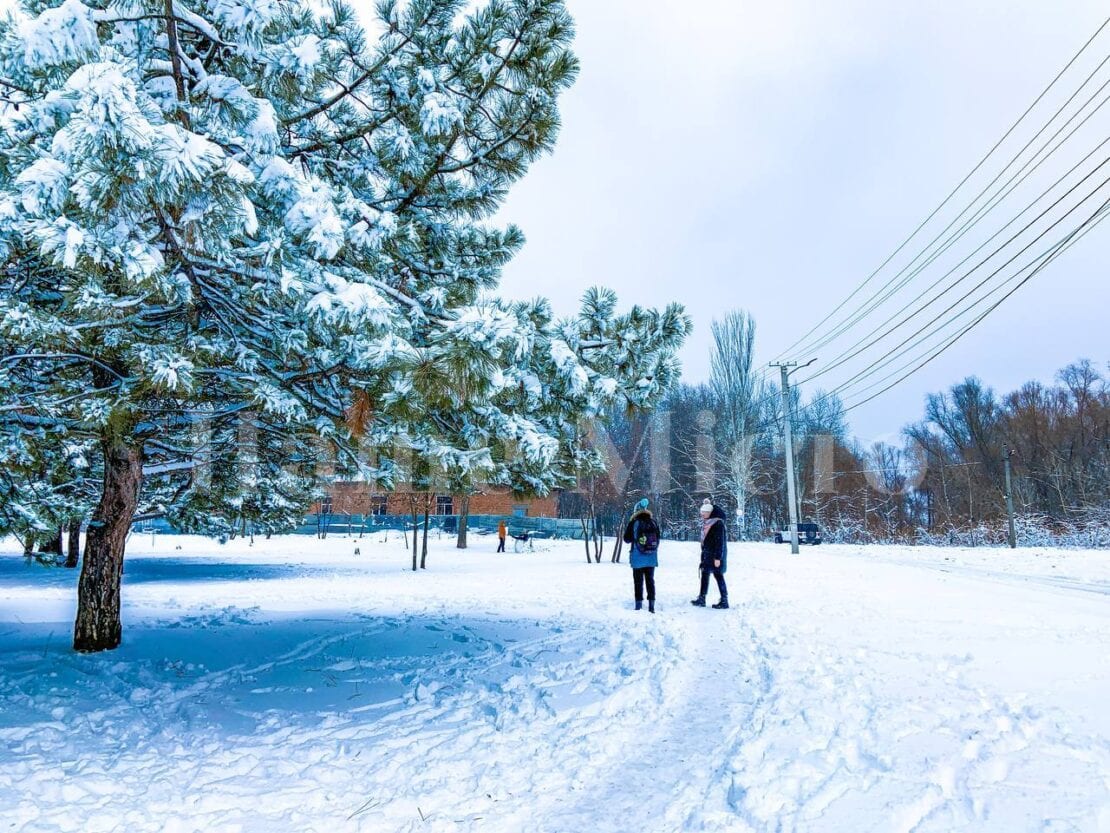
(944, 481)
(1057, 437)
(218, 218)
(718, 438)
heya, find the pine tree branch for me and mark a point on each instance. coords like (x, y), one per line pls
(484, 154)
(191, 21)
(360, 132)
(175, 62)
(66, 355)
(65, 400)
(11, 85)
(434, 170)
(346, 90)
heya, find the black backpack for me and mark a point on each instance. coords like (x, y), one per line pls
(647, 535)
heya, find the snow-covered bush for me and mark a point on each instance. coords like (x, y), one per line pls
(1089, 529)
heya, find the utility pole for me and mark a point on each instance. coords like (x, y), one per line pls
(1006, 454)
(786, 368)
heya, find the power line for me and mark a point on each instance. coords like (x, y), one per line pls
(1088, 225)
(1048, 254)
(805, 337)
(842, 359)
(1036, 265)
(1032, 265)
(888, 291)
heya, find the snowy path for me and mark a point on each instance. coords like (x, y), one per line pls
(670, 763)
(295, 688)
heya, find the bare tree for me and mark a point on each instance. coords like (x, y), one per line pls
(740, 394)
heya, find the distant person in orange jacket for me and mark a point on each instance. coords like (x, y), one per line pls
(502, 533)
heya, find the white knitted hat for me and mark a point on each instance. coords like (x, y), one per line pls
(707, 507)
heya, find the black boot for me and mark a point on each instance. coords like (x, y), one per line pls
(722, 604)
(698, 602)
(639, 605)
(651, 605)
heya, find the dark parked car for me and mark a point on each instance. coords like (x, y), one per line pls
(807, 534)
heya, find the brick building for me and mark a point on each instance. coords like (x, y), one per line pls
(354, 498)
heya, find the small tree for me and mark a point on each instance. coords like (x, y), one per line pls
(47, 485)
(505, 394)
(258, 480)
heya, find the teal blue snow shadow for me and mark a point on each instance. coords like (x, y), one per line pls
(213, 675)
(17, 571)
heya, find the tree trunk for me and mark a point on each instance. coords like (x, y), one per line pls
(98, 625)
(424, 547)
(464, 519)
(73, 548)
(53, 544)
(415, 521)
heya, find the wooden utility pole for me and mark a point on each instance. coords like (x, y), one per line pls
(1006, 453)
(786, 368)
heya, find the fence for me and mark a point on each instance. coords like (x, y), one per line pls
(343, 524)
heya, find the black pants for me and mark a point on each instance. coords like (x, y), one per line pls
(641, 575)
(501, 546)
(717, 574)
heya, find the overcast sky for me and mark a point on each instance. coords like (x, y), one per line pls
(769, 155)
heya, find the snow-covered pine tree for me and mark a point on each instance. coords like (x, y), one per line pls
(216, 206)
(222, 205)
(47, 483)
(505, 393)
(260, 481)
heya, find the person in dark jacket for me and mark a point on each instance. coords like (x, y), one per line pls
(714, 554)
(643, 534)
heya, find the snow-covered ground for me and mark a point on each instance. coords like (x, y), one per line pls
(296, 686)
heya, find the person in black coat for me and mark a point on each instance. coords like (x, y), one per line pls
(642, 533)
(714, 554)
